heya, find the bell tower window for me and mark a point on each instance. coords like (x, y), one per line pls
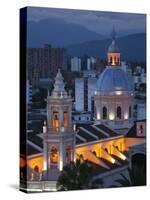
(65, 119)
(54, 155)
(55, 119)
(110, 60)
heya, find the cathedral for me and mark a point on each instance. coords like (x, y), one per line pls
(109, 141)
(114, 98)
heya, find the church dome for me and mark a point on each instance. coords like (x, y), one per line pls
(113, 48)
(114, 79)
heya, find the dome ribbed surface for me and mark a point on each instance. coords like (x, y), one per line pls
(113, 79)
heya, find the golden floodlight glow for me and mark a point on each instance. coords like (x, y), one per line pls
(111, 116)
(113, 61)
(44, 166)
(125, 115)
(123, 157)
(60, 165)
(98, 116)
(113, 160)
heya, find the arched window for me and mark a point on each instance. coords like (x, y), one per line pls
(65, 119)
(130, 112)
(104, 112)
(119, 112)
(115, 59)
(54, 155)
(36, 169)
(68, 153)
(94, 152)
(118, 61)
(110, 60)
(55, 122)
(117, 147)
(141, 129)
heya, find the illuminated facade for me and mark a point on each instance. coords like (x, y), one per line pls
(99, 141)
(58, 135)
(114, 98)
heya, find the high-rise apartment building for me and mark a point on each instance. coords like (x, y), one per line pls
(45, 62)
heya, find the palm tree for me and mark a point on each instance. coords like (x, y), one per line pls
(76, 175)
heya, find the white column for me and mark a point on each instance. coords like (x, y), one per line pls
(60, 156)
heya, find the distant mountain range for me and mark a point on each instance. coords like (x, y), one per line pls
(132, 48)
(80, 41)
(57, 32)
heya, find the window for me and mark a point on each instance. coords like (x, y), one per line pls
(141, 129)
(72, 118)
(117, 147)
(104, 112)
(119, 112)
(94, 152)
(110, 60)
(55, 119)
(65, 119)
(54, 155)
(36, 169)
(130, 112)
(118, 61)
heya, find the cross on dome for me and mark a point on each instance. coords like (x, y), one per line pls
(113, 47)
(113, 33)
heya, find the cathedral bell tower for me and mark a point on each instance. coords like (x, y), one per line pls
(113, 54)
(58, 134)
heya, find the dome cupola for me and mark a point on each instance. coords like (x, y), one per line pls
(113, 54)
(113, 81)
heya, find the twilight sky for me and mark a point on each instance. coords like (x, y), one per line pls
(97, 21)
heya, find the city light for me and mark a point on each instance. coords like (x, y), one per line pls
(118, 92)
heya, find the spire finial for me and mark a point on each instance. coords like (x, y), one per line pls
(59, 86)
(113, 33)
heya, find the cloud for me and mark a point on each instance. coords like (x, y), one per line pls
(97, 21)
